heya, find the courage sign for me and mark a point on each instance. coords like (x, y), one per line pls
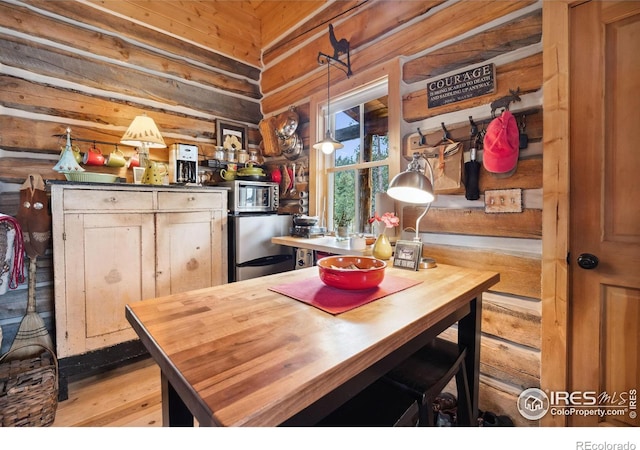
(461, 86)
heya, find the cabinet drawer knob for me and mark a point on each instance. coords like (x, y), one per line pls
(113, 199)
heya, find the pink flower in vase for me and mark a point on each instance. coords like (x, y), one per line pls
(389, 219)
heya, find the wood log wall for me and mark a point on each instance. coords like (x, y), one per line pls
(458, 231)
(67, 63)
(455, 231)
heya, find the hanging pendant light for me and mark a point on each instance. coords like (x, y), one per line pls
(328, 145)
(340, 47)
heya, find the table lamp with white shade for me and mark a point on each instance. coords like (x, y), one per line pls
(144, 134)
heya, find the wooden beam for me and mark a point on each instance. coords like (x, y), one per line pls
(32, 135)
(71, 105)
(16, 170)
(512, 364)
(367, 24)
(100, 75)
(475, 222)
(507, 37)
(230, 28)
(512, 319)
(119, 49)
(118, 26)
(502, 399)
(519, 275)
(300, 82)
(555, 225)
(525, 73)
(280, 19)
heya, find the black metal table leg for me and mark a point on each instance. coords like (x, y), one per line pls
(174, 412)
(469, 336)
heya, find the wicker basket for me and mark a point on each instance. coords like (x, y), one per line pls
(28, 390)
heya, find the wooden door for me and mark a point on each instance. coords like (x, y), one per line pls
(604, 327)
(110, 261)
(188, 251)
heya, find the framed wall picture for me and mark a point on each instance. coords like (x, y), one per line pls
(231, 135)
(407, 255)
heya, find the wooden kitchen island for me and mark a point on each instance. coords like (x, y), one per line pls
(243, 355)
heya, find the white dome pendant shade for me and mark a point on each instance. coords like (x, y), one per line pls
(328, 144)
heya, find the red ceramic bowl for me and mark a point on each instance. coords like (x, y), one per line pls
(339, 271)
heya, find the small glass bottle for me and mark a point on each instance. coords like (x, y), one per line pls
(219, 154)
(243, 156)
(231, 155)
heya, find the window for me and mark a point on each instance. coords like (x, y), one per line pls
(360, 170)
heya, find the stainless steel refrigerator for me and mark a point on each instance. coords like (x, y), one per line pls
(251, 253)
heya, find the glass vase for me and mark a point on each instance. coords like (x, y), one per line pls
(382, 247)
(342, 233)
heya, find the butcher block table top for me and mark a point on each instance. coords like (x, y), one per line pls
(242, 355)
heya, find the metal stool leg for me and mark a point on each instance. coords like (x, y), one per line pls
(464, 397)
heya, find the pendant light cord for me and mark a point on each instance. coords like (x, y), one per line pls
(328, 96)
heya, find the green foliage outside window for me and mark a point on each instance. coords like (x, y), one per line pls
(345, 192)
(344, 200)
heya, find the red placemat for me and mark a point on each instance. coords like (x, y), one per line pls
(335, 301)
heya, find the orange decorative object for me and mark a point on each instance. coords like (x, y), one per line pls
(351, 272)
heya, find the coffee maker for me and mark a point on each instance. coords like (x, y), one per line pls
(183, 164)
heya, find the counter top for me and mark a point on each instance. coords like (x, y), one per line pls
(327, 244)
(133, 186)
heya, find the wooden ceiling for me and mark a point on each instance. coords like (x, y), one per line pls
(279, 16)
(241, 29)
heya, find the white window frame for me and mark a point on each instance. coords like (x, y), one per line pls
(350, 100)
(319, 163)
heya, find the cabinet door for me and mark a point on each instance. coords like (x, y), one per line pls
(109, 262)
(189, 254)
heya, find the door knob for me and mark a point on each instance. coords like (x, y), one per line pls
(588, 261)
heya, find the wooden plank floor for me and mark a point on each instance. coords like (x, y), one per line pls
(128, 396)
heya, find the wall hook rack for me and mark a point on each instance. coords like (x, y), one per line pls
(474, 128)
(92, 141)
(446, 136)
(423, 138)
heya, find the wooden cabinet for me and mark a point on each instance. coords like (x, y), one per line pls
(118, 245)
(109, 261)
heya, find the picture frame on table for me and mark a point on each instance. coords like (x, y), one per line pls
(231, 135)
(138, 174)
(407, 255)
